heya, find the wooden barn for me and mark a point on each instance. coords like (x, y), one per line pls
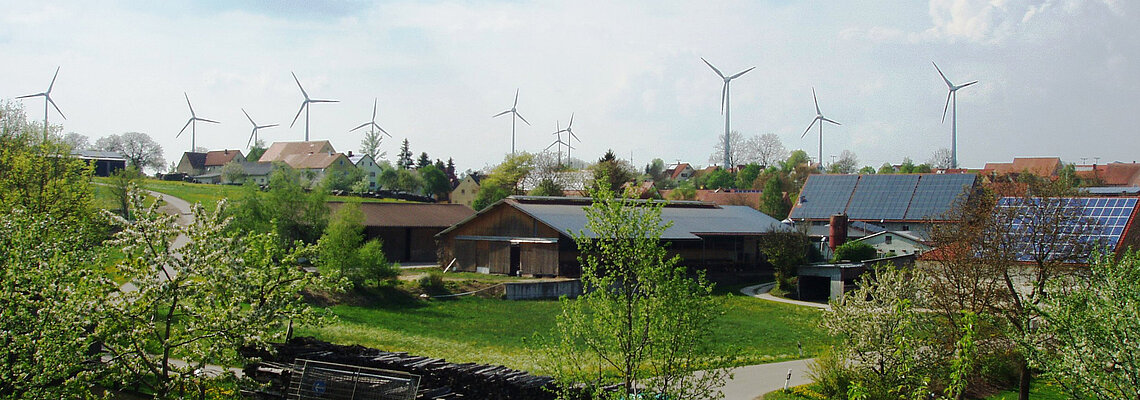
(531, 235)
(408, 229)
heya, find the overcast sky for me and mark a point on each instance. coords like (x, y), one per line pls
(1056, 78)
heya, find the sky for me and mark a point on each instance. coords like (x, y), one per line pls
(1055, 77)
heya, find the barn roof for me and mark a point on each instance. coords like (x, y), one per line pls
(889, 197)
(691, 219)
(410, 215)
(220, 157)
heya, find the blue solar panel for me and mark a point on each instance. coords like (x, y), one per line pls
(937, 194)
(882, 197)
(824, 195)
(1104, 221)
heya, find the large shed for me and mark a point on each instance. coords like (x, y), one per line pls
(408, 229)
(533, 235)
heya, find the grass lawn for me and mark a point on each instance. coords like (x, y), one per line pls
(494, 331)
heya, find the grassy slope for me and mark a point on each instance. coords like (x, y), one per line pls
(500, 331)
(206, 194)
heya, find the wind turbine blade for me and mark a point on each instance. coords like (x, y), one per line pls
(967, 84)
(521, 117)
(303, 104)
(207, 120)
(948, 84)
(361, 126)
(303, 93)
(816, 100)
(573, 135)
(247, 142)
(184, 127)
(53, 105)
(382, 130)
(374, 101)
(324, 101)
(723, 96)
(266, 126)
(32, 95)
(713, 68)
(829, 120)
(947, 106)
(188, 103)
(571, 121)
(53, 80)
(516, 99)
(504, 112)
(250, 118)
(738, 74)
(551, 145)
(809, 127)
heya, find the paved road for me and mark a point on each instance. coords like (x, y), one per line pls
(753, 381)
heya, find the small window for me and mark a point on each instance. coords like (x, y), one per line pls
(905, 228)
(888, 239)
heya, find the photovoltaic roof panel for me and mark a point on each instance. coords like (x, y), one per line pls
(882, 197)
(1109, 217)
(937, 194)
(824, 195)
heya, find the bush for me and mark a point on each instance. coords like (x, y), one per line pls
(854, 251)
(829, 374)
(373, 264)
(432, 282)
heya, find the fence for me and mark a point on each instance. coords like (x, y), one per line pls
(324, 380)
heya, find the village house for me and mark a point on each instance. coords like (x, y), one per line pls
(368, 166)
(194, 163)
(465, 192)
(532, 235)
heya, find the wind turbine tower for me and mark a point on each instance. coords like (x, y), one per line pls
(514, 113)
(820, 119)
(724, 97)
(192, 123)
(953, 93)
(47, 99)
(305, 106)
(253, 135)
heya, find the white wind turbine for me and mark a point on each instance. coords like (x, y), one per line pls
(558, 141)
(192, 123)
(373, 126)
(253, 135)
(820, 119)
(724, 97)
(514, 113)
(954, 117)
(305, 106)
(570, 135)
(47, 99)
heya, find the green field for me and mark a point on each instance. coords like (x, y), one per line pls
(206, 194)
(493, 331)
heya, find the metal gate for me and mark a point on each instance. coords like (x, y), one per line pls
(324, 380)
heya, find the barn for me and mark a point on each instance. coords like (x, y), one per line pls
(408, 229)
(533, 235)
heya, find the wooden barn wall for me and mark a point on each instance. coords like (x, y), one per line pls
(406, 244)
(498, 257)
(539, 258)
(504, 221)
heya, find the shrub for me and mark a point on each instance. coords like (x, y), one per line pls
(854, 251)
(432, 282)
(373, 264)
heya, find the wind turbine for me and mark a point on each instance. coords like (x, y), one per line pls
(820, 119)
(724, 108)
(570, 134)
(558, 141)
(372, 124)
(305, 106)
(514, 113)
(192, 123)
(253, 135)
(953, 93)
(47, 99)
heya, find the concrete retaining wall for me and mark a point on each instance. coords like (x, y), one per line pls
(543, 289)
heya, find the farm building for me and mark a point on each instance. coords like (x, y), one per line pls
(408, 229)
(106, 162)
(531, 235)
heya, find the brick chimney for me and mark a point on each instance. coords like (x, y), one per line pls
(838, 233)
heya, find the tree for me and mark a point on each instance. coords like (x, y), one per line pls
(138, 148)
(404, 159)
(853, 251)
(886, 168)
(548, 187)
(907, 166)
(767, 149)
(408, 181)
(846, 163)
(76, 141)
(615, 171)
(256, 151)
(504, 179)
(233, 172)
(342, 177)
(720, 179)
(342, 249)
(772, 200)
(867, 170)
(643, 324)
(435, 182)
(684, 191)
(423, 161)
(736, 148)
(370, 145)
(122, 182)
(200, 302)
(747, 176)
(796, 158)
(1094, 330)
(656, 169)
(286, 209)
(786, 251)
(940, 159)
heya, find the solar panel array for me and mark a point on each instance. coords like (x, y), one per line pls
(881, 197)
(1103, 225)
(933, 197)
(825, 195)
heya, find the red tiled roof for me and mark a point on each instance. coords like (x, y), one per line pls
(220, 157)
(1040, 166)
(279, 150)
(314, 160)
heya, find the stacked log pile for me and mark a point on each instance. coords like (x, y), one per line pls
(439, 379)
